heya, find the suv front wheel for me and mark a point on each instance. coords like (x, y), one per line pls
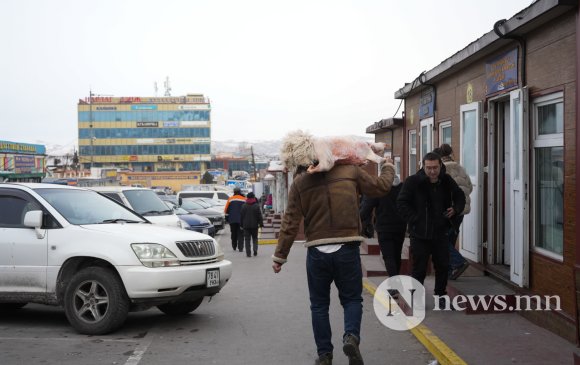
(95, 301)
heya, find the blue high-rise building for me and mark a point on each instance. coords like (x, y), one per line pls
(148, 134)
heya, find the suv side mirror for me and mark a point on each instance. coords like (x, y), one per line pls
(33, 219)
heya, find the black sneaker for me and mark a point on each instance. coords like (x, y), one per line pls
(456, 273)
(351, 350)
(324, 359)
(255, 253)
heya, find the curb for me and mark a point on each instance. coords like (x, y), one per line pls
(267, 242)
(442, 352)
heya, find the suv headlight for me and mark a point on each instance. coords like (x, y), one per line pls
(219, 251)
(154, 255)
(183, 224)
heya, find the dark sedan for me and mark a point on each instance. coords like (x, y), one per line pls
(216, 217)
(196, 222)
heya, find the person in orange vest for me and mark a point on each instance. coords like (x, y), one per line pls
(233, 211)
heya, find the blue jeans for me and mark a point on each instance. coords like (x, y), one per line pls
(344, 268)
(455, 258)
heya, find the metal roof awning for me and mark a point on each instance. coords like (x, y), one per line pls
(520, 24)
(384, 124)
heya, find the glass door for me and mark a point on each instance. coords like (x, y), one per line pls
(470, 143)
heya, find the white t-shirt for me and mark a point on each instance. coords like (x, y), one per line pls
(328, 248)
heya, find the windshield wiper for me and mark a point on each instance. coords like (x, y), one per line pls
(150, 212)
(117, 220)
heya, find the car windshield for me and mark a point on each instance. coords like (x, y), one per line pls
(203, 202)
(210, 202)
(87, 207)
(180, 211)
(146, 202)
(177, 210)
(191, 205)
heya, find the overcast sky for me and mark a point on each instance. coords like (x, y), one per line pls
(329, 67)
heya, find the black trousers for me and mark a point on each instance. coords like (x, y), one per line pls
(391, 244)
(251, 234)
(438, 249)
(237, 236)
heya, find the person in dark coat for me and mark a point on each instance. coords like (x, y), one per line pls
(390, 226)
(233, 210)
(251, 220)
(428, 201)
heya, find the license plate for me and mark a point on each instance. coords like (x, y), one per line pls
(212, 278)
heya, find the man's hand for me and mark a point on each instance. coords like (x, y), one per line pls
(450, 212)
(277, 267)
(388, 160)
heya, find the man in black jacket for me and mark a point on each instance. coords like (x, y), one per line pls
(428, 201)
(251, 221)
(389, 224)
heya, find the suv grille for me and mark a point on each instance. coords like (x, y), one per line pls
(196, 248)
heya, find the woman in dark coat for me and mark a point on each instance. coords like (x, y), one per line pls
(251, 220)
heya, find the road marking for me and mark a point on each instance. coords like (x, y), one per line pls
(442, 352)
(138, 353)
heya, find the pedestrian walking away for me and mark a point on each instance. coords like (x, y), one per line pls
(388, 224)
(233, 211)
(251, 218)
(329, 204)
(428, 200)
(262, 202)
(457, 263)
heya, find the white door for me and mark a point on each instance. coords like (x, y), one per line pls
(519, 245)
(470, 147)
(25, 271)
(426, 137)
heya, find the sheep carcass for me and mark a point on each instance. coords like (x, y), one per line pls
(332, 151)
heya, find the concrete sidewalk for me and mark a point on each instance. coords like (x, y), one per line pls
(455, 337)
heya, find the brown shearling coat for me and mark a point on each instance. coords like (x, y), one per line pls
(329, 203)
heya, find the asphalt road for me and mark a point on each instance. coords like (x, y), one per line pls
(258, 318)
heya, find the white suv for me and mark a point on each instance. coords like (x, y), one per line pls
(220, 197)
(143, 201)
(72, 247)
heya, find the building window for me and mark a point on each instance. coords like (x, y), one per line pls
(445, 133)
(548, 170)
(412, 152)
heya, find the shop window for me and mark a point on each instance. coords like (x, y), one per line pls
(445, 133)
(548, 170)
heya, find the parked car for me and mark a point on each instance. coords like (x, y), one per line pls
(72, 247)
(196, 222)
(169, 198)
(217, 217)
(220, 196)
(143, 201)
(210, 203)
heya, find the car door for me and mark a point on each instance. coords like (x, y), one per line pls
(23, 256)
